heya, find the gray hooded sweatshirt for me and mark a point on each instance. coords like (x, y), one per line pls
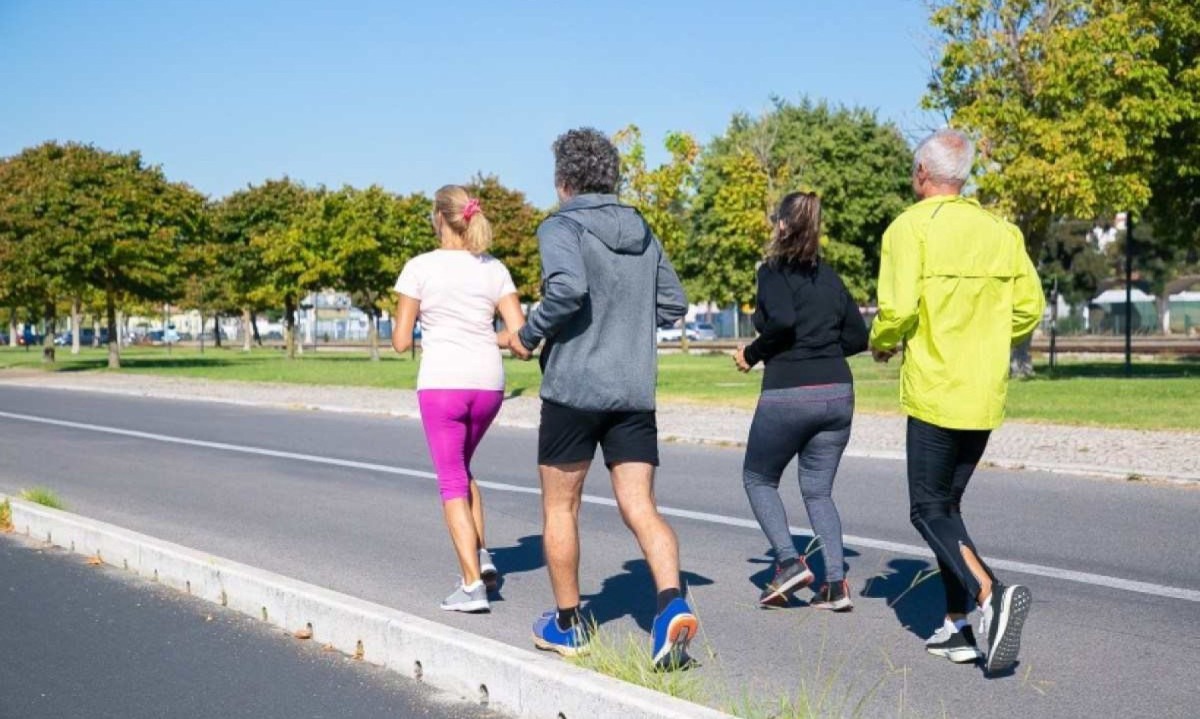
(606, 286)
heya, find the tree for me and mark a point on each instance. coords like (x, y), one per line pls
(259, 210)
(662, 195)
(293, 251)
(1066, 97)
(369, 235)
(858, 165)
(99, 219)
(731, 227)
(514, 229)
(207, 287)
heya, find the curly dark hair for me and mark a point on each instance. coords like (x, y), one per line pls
(586, 161)
(797, 236)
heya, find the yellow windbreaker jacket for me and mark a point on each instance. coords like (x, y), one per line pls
(956, 286)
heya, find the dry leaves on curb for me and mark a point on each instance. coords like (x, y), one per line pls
(305, 633)
(94, 560)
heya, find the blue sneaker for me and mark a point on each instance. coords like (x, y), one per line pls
(547, 636)
(673, 629)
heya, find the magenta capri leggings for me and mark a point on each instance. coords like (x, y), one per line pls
(455, 421)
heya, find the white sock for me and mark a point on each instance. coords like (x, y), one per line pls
(959, 624)
(473, 585)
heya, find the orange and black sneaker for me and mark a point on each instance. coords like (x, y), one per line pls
(835, 597)
(789, 577)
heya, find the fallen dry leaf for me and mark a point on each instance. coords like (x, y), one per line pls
(304, 633)
(328, 648)
(94, 561)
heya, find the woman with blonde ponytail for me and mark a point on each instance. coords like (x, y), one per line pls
(456, 291)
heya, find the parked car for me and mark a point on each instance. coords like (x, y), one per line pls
(696, 332)
(704, 332)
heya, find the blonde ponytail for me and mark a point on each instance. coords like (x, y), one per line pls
(465, 216)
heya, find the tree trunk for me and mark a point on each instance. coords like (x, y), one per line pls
(373, 333)
(247, 322)
(12, 327)
(289, 312)
(216, 329)
(254, 326)
(202, 331)
(120, 338)
(48, 333)
(76, 316)
(1164, 313)
(95, 331)
(1020, 362)
(114, 335)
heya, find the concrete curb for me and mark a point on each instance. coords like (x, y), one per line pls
(1105, 471)
(505, 678)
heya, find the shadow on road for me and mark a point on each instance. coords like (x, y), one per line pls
(631, 594)
(526, 555)
(913, 590)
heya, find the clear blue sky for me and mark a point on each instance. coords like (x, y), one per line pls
(413, 95)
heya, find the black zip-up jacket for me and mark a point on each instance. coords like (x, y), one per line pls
(808, 325)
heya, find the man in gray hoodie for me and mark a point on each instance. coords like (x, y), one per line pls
(606, 286)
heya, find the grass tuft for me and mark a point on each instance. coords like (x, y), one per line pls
(43, 496)
(628, 658)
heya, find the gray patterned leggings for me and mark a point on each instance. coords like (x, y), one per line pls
(814, 423)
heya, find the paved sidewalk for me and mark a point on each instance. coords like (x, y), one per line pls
(1098, 451)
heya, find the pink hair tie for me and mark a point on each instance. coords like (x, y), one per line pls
(470, 209)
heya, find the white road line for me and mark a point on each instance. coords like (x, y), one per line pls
(1069, 575)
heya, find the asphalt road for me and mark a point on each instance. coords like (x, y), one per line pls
(96, 642)
(1112, 565)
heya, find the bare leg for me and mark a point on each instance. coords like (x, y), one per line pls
(633, 485)
(477, 513)
(463, 534)
(562, 492)
(981, 575)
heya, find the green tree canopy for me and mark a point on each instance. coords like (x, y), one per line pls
(368, 236)
(244, 216)
(514, 230)
(858, 165)
(87, 217)
(1067, 98)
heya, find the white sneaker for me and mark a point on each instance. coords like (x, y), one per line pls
(957, 646)
(468, 599)
(488, 571)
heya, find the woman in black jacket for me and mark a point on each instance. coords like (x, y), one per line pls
(808, 324)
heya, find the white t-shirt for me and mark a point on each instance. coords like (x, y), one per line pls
(458, 293)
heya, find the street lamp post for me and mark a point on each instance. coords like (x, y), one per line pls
(1129, 295)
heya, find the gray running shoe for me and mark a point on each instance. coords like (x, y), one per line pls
(464, 599)
(488, 571)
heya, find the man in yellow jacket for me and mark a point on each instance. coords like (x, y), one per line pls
(956, 291)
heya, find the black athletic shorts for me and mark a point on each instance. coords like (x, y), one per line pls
(567, 435)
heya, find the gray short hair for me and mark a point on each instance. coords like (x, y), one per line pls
(947, 155)
(586, 161)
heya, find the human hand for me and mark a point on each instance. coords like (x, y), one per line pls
(517, 347)
(503, 339)
(739, 359)
(884, 355)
